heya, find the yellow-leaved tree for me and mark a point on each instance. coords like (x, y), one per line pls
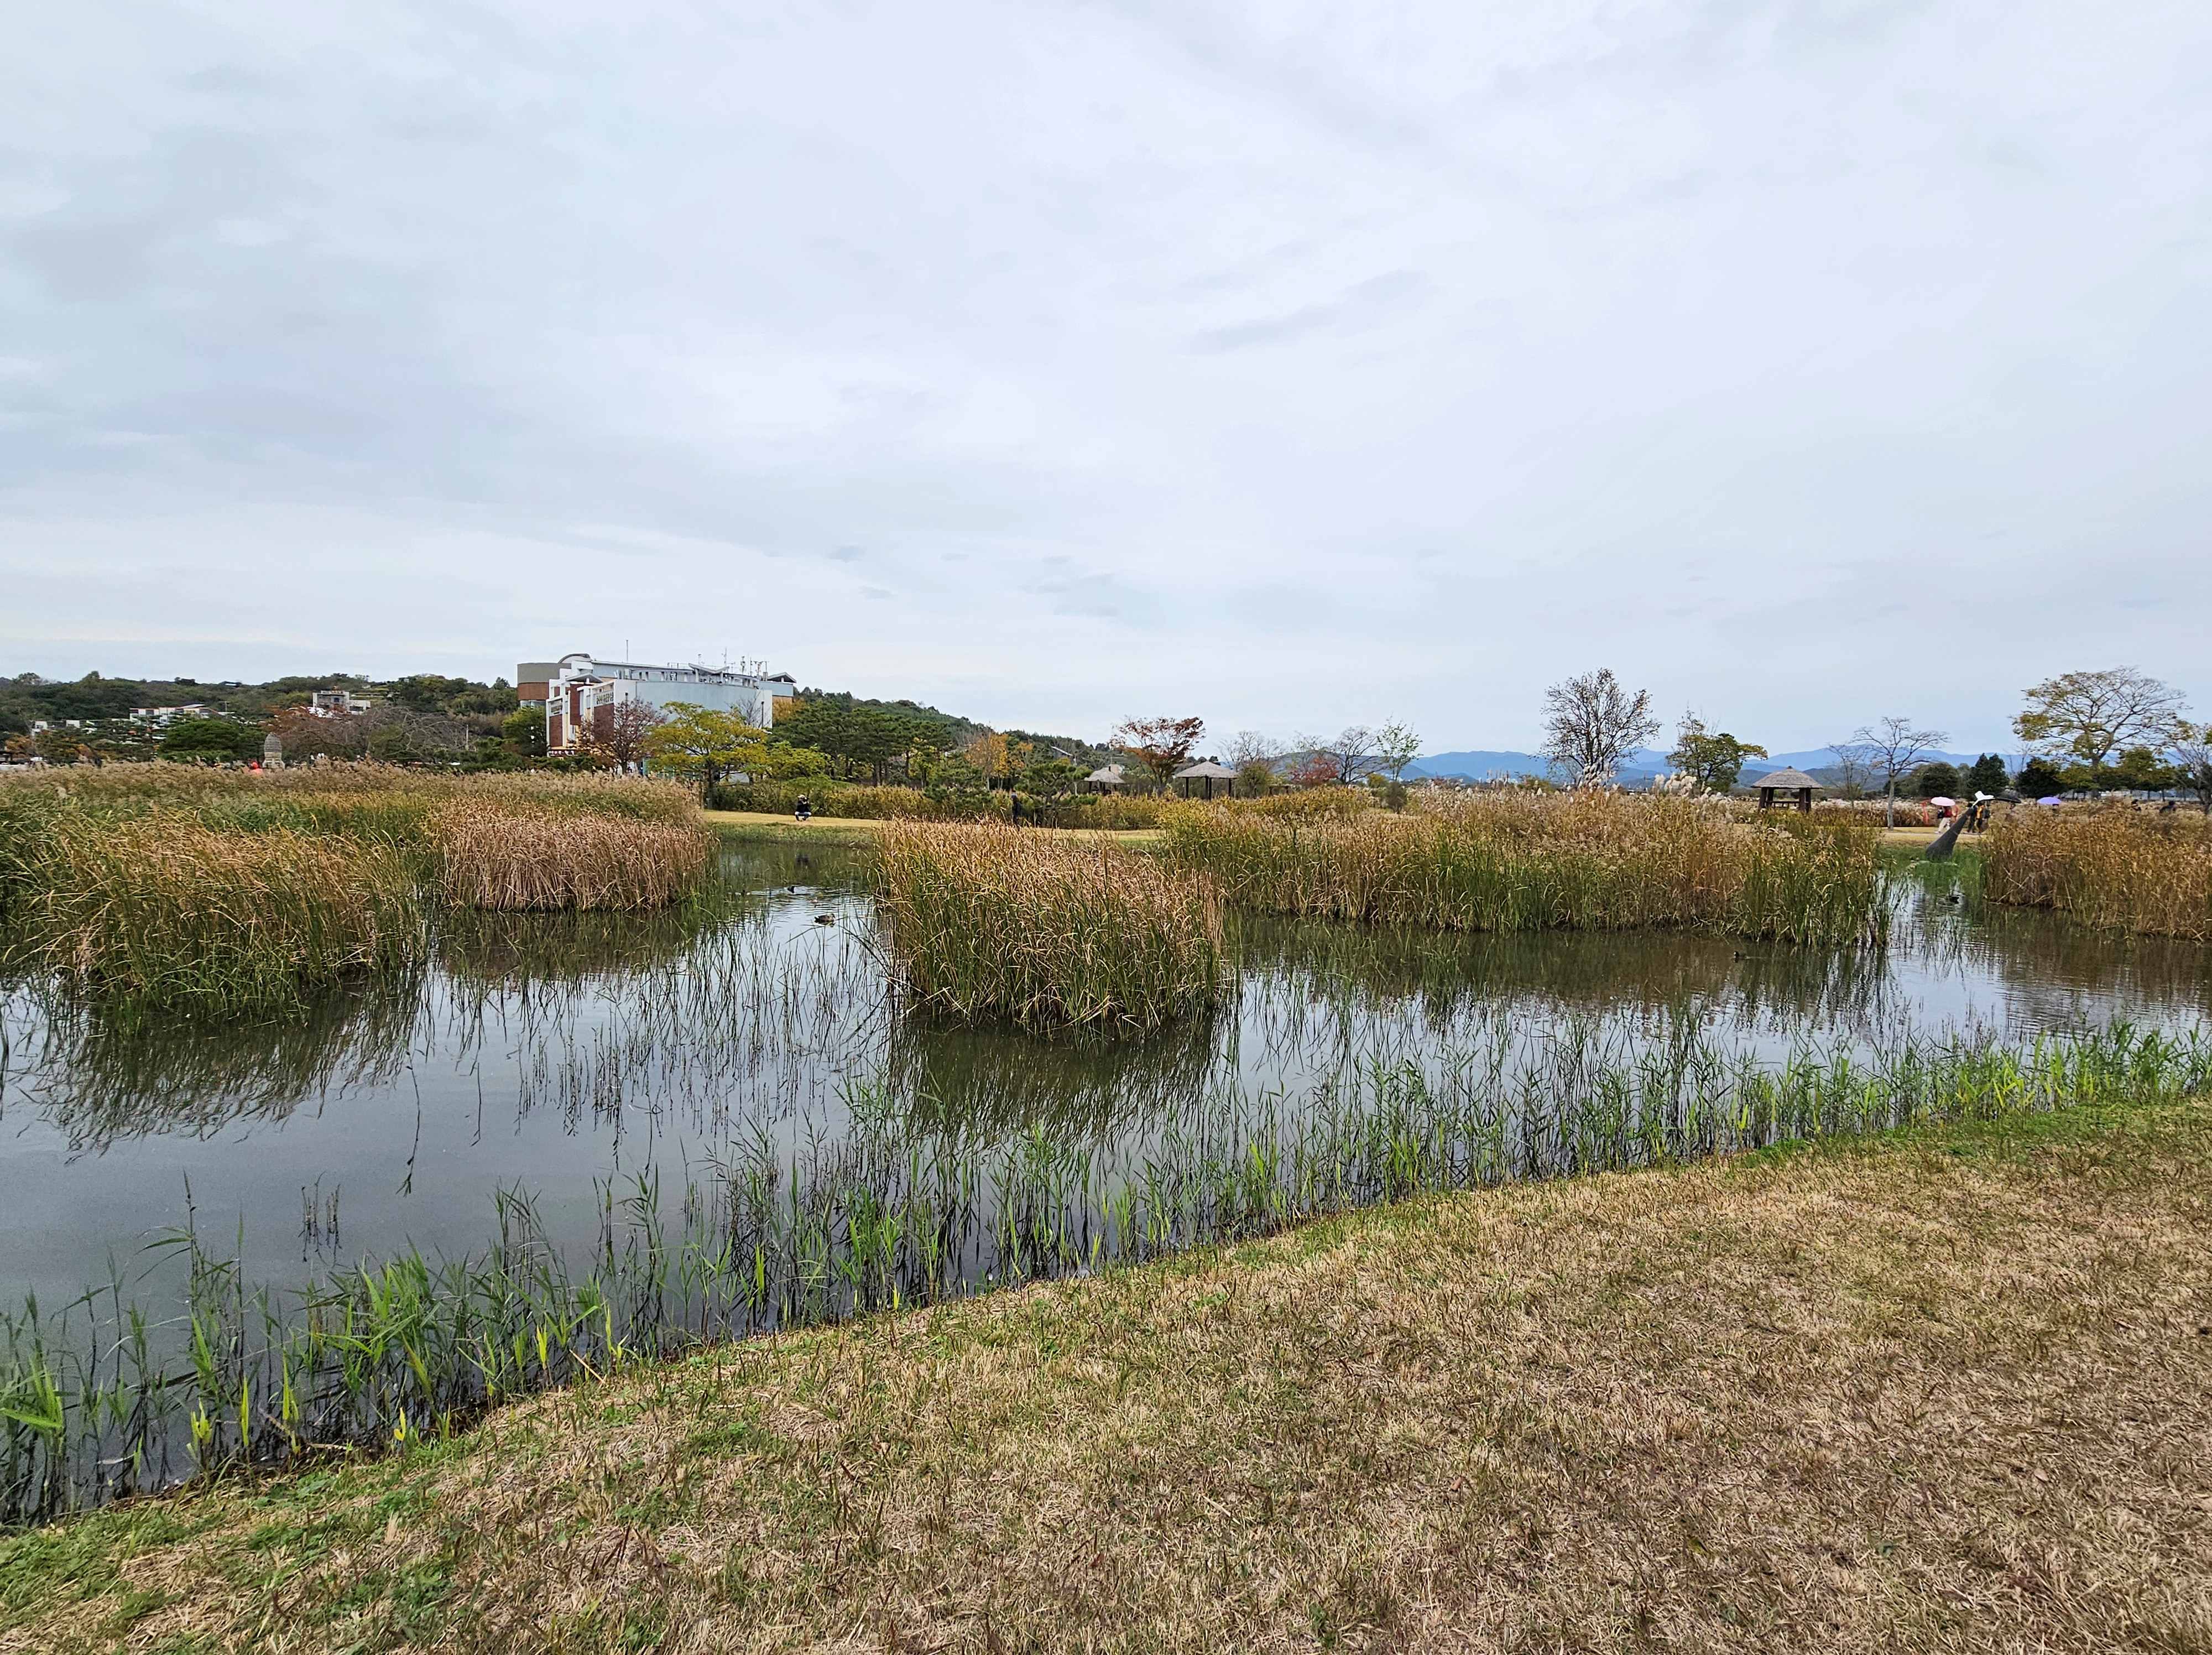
(703, 745)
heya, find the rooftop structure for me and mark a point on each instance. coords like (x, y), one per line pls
(1785, 781)
(1204, 775)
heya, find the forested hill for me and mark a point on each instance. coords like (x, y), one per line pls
(957, 731)
(27, 699)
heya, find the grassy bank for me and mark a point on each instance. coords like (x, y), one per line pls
(2119, 868)
(999, 923)
(1945, 1389)
(131, 1388)
(1520, 861)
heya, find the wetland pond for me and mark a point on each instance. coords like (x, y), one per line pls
(738, 1071)
(559, 1053)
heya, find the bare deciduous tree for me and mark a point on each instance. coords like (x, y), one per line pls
(1355, 752)
(1250, 747)
(1892, 747)
(1591, 723)
(615, 735)
(2092, 715)
(1853, 767)
(2192, 760)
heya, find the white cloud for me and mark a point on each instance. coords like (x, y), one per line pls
(1288, 365)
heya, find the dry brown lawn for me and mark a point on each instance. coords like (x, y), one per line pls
(1949, 1392)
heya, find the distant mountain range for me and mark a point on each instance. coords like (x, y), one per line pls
(1640, 766)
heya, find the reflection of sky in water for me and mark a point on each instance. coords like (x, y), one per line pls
(551, 1053)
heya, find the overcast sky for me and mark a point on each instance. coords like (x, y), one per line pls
(1292, 365)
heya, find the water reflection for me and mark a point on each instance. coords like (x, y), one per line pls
(1447, 976)
(992, 1084)
(99, 1079)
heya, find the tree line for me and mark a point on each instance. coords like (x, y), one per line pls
(2093, 730)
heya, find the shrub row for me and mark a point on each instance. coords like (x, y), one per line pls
(845, 801)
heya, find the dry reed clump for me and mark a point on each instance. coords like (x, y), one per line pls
(165, 912)
(1527, 860)
(491, 857)
(2119, 868)
(989, 922)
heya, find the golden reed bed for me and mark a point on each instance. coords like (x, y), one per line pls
(989, 923)
(2118, 866)
(1526, 861)
(491, 857)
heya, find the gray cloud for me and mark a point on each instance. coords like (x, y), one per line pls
(1365, 298)
(1294, 366)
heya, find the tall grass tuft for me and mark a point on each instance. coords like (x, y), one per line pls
(163, 911)
(1524, 861)
(2120, 869)
(491, 857)
(991, 923)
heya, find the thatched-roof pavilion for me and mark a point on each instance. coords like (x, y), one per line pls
(1785, 781)
(1205, 774)
(1105, 778)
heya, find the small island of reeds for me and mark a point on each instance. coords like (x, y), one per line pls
(1522, 860)
(2117, 868)
(989, 923)
(172, 886)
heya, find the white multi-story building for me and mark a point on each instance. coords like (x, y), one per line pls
(580, 690)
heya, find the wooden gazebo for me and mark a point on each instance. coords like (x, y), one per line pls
(1205, 774)
(1780, 781)
(1106, 776)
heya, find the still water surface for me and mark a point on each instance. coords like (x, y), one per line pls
(560, 1054)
